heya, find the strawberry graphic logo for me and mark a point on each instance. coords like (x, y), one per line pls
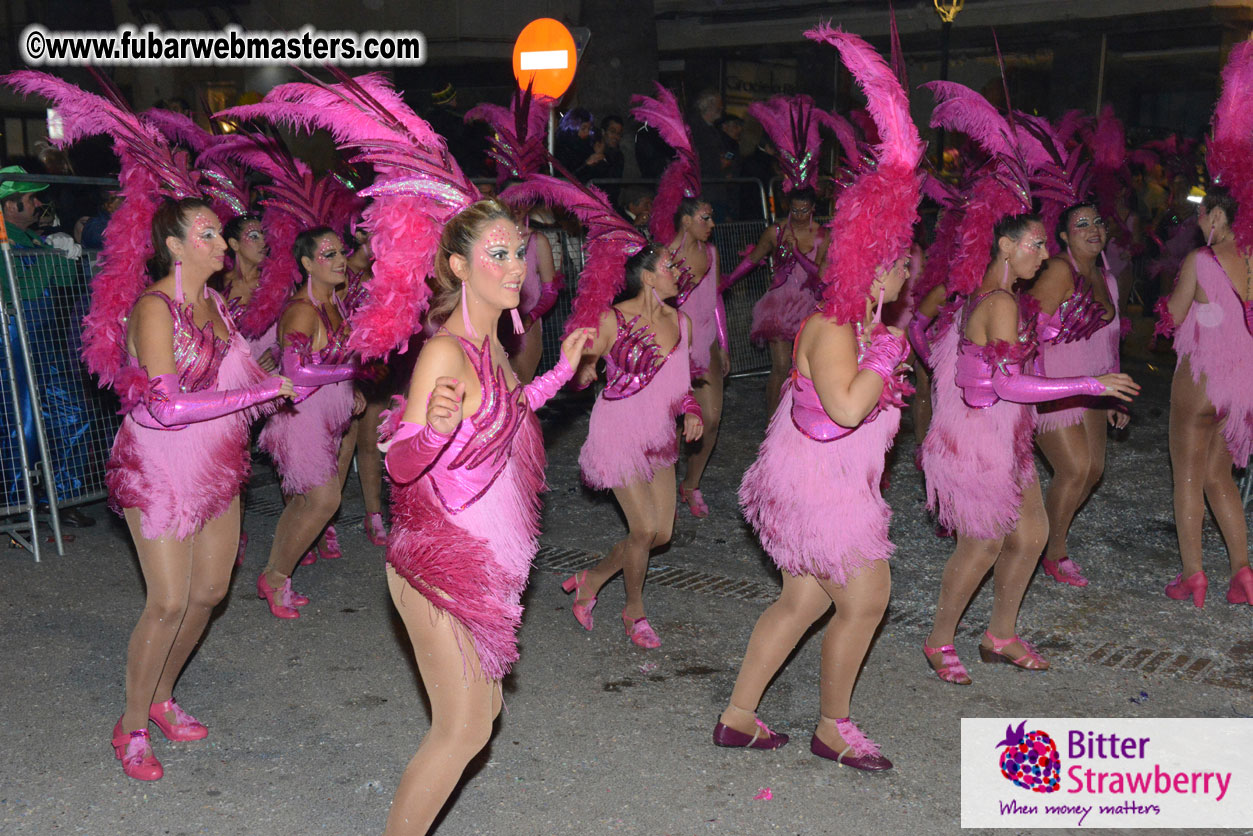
(1030, 759)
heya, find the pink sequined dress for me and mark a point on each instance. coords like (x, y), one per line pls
(182, 477)
(704, 305)
(464, 531)
(812, 495)
(782, 309)
(303, 439)
(1078, 340)
(632, 434)
(977, 459)
(1216, 341)
(266, 342)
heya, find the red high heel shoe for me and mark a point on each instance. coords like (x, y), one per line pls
(328, 547)
(184, 727)
(694, 501)
(375, 531)
(134, 750)
(1196, 585)
(1240, 590)
(280, 600)
(582, 612)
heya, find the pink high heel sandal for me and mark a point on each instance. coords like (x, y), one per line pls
(640, 631)
(951, 668)
(694, 501)
(1195, 586)
(184, 727)
(1240, 590)
(375, 531)
(1064, 571)
(328, 546)
(134, 750)
(280, 600)
(582, 612)
(1028, 661)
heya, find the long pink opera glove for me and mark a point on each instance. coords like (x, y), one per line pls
(315, 374)
(171, 409)
(883, 356)
(414, 448)
(982, 387)
(720, 322)
(917, 331)
(548, 293)
(539, 390)
(741, 270)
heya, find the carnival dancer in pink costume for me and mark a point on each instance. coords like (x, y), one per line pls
(467, 459)
(518, 148)
(1211, 396)
(836, 419)
(189, 389)
(684, 223)
(1079, 333)
(977, 455)
(309, 442)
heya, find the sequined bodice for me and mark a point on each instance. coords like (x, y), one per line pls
(635, 359)
(354, 289)
(1078, 317)
(977, 363)
(198, 351)
(808, 414)
(336, 349)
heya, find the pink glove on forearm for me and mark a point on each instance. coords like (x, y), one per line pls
(917, 331)
(689, 406)
(539, 390)
(171, 408)
(414, 448)
(741, 270)
(884, 354)
(302, 373)
(548, 293)
(720, 322)
(1029, 388)
(810, 267)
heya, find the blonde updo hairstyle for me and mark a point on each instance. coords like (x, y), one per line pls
(458, 238)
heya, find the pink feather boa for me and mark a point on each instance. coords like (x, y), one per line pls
(1230, 155)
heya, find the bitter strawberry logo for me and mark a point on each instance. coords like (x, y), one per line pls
(1030, 759)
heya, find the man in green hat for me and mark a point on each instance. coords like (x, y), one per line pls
(48, 281)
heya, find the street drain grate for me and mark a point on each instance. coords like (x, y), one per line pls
(1222, 671)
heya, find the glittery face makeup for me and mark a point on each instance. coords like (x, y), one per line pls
(1030, 252)
(203, 246)
(329, 261)
(1086, 231)
(702, 222)
(251, 242)
(498, 264)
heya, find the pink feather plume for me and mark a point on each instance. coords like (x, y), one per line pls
(519, 133)
(682, 177)
(1230, 158)
(792, 123)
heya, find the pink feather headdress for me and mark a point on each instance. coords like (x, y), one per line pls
(519, 134)
(792, 124)
(417, 189)
(149, 173)
(1062, 181)
(1000, 188)
(610, 241)
(682, 177)
(225, 183)
(1107, 140)
(1230, 158)
(874, 216)
(294, 201)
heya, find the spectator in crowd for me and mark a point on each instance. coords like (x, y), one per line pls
(49, 285)
(92, 234)
(637, 205)
(466, 143)
(731, 127)
(707, 142)
(762, 165)
(608, 142)
(576, 147)
(652, 154)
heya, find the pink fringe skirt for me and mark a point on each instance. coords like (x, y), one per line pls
(303, 439)
(816, 507)
(976, 461)
(779, 313)
(474, 565)
(1097, 355)
(181, 479)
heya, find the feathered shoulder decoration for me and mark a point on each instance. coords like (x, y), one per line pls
(1230, 156)
(874, 217)
(518, 134)
(417, 189)
(149, 173)
(682, 177)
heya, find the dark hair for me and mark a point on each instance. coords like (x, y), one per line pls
(1063, 220)
(1012, 227)
(688, 206)
(1217, 197)
(573, 120)
(802, 194)
(170, 221)
(306, 244)
(235, 226)
(645, 259)
(606, 121)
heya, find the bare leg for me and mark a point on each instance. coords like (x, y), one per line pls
(212, 559)
(166, 564)
(708, 393)
(464, 706)
(802, 602)
(649, 509)
(527, 360)
(859, 607)
(304, 518)
(1193, 429)
(1225, 503)
(1077, 456)
(780, 365)
(369, 459)
(1015, 565)
(963, 573)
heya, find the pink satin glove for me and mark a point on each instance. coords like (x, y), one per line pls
(307, 374)
(413, 449)
(810, 268)
(885, 352)
(171, 409)
(720, 323)
(741, 270)
(548, 293)
(917, 331)
(542, 388)
(689, 406)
